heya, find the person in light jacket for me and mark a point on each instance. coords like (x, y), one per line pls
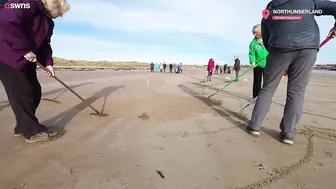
(25, 36)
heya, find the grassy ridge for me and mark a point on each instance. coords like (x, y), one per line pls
(109, 64)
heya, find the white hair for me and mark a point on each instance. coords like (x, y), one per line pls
(256, 29)
(56, 8)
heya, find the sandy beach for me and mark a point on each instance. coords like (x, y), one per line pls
(168, 135)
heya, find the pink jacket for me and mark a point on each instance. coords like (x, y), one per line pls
(211, 64)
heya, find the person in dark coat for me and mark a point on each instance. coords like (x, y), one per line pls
(25, 36)
(216, 69)
(170, 68)
(293, 45)
(225, 66)
(152, 67)
(164, 67)
(236, 66)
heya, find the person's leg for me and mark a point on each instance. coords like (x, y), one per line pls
(257, 80)
(18, 86)
(277, 63)
(237, 74)
(298, 76)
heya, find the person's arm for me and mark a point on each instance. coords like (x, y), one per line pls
(45, 55)
(14, 23)
(265, 33)
(252, 57)
(45, 50)
(327, 7)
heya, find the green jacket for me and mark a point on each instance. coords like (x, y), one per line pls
(257, 53)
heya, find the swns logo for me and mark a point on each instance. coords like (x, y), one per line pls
(10, 5)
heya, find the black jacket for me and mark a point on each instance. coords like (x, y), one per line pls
(289, 35)
(236, 65)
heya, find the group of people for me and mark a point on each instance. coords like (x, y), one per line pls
(278, 46)
(222, 70)
(226, 69)
(173, 68)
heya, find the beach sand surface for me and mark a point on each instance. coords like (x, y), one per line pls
(168, 135)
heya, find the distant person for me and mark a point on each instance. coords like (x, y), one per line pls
(170, 67)
(221, 70)
(210, 67)
(156, 67)
(293, 46)
(161, 67)
(25, 36)
(174, 68)
(236, 67)
(152, 67)
(164, 67)
(257, 56)
(217, 68)
(225, 66)
(178, 68)
(229, 70)
(181, 68)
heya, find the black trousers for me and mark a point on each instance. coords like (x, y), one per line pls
(257, 80)
(24, 95)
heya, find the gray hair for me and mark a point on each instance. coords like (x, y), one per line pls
(256, 29)
(56, 8)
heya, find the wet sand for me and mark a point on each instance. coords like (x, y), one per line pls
(167, 135)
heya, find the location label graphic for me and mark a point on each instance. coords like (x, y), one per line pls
(265, 13)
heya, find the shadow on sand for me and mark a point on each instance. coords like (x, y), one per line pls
(236, 119)
(62, 90)
(59, 122)
(244, 97)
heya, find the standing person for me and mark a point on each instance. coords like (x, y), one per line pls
(181, 68)
(292, 46)
(178, 68)
(152, 67)
(257, 54)
(170, 67)
(225, 66)
(211, 65)
(236, 66)
(25, 36)
(174, 67)
(217, 67)
(156, 67)
(161, 67)
(164, 67)
(229, 70)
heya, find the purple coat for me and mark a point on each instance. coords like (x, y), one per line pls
(25, 30)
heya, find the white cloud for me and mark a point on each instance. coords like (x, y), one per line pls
(80, 48)
(231, 20)
(228, 19)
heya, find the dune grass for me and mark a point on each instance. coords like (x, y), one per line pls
(109, 64)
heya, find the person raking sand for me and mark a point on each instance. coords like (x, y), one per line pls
(25, 36)
(293, 46)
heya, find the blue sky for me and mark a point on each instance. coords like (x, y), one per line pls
(164, 31)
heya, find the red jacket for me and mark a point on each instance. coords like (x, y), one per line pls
(211, 64)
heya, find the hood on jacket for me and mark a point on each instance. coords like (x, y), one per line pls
(275, 3)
